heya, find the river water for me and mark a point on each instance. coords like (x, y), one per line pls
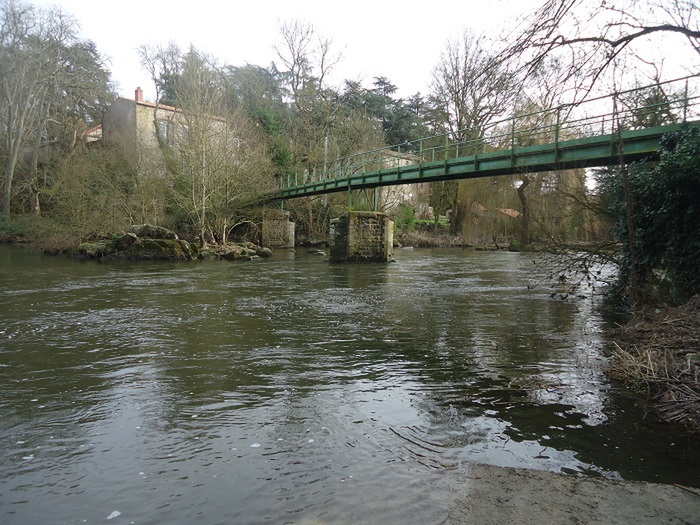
(290, 390)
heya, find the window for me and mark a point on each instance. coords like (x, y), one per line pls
(166, 132)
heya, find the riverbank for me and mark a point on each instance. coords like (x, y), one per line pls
(658, 354)
(492, 495)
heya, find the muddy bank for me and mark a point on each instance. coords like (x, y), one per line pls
(491, 495)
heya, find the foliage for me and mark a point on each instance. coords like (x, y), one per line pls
(666, 200)
(10, 230)
(405, 217)
(96, 192)
(217, 161)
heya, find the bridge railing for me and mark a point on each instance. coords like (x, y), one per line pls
(668, 102)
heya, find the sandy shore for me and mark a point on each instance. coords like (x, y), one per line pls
(496, 495)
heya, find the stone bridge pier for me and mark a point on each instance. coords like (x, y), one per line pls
(277, 229)
(362, 236)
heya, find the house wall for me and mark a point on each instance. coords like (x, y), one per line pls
(130, 125)
(119, 123)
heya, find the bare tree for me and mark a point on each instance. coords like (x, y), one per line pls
(306, 56)
(31, 46)
(471, 90)
(216, 159)
(470, 86)
(588, 37)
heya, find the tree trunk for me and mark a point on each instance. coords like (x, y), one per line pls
(525, 231)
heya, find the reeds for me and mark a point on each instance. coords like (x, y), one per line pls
(658, 352)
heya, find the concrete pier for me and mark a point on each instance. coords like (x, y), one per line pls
(277, 229)
(362, 236)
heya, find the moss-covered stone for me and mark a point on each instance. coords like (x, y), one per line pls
(125, 241)
(233, 255)
(190, 249)
(149, 231)
(96, 249)
(129, 245)
(156, 249)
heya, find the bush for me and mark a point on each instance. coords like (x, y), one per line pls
(405, 217)
(666, 211)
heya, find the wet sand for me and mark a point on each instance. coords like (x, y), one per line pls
(497, 495)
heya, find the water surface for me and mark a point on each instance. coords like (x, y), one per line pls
(290, 390)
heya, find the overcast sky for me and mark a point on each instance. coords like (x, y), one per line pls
(399, 40)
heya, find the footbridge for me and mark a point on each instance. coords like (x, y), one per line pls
(602, 131)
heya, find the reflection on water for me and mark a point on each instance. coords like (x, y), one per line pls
(291, 390)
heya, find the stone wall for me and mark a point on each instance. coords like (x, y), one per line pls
(362, 237)
(277, 230)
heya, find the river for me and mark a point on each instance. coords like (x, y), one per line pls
(290, 390)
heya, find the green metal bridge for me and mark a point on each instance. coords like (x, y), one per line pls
(602, 131)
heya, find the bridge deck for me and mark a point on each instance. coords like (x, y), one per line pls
(602, 150)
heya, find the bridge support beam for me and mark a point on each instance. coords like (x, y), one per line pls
(277, 229)
(362, 236)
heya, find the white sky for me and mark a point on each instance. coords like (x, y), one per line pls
(399, 40)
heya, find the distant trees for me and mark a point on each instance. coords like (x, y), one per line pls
(470, 88)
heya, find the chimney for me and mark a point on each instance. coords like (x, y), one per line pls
(138, 94)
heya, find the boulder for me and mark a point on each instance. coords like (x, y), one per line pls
(149, 231)
(125, 241)
(157, 250)
(190, 249)
(96, 249)
(234, 254)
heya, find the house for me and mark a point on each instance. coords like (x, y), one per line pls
(132, 125)
(141, 128)
(415, 195)
(91, 135)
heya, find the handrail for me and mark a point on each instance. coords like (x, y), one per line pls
(563, 122)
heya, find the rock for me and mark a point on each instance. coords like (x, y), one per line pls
(139, 243)
(234, 255)
(149, 231)
(125, 241)
(190, 249)
(157, 250)
(96, 249)
(251, 247)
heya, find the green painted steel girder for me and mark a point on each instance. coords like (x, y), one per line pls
(587, 152)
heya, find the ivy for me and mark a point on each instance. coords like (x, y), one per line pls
(665, 196)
